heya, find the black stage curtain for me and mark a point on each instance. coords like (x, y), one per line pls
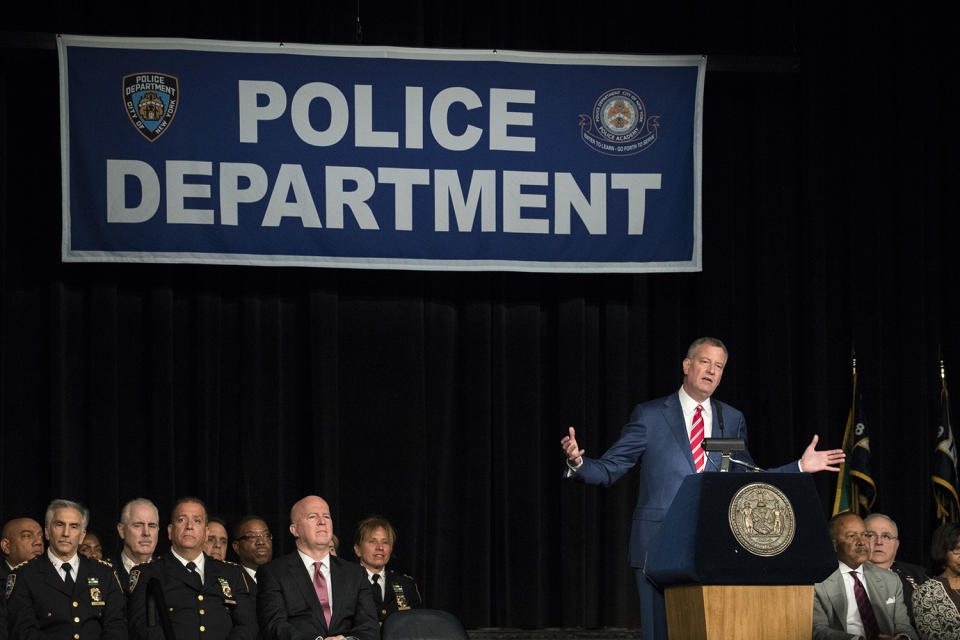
(439, 399)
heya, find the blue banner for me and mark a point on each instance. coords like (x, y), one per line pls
(359, 157)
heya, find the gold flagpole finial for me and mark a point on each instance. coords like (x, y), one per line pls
(853, 360)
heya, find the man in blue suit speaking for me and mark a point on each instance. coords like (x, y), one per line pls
(665, 435)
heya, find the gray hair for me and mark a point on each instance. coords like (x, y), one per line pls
(714, 342)
(127, 508)
(870, 517)
(60, 503)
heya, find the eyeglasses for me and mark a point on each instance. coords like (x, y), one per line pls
(886, 537)
(257, 536)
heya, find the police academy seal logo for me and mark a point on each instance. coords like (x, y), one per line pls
(619, 124)
(150, 100)
(762, 519)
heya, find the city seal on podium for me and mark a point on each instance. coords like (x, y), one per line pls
(762, 519)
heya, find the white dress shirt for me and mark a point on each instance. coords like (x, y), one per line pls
(200, 561)
(853, 624)
(74, 563)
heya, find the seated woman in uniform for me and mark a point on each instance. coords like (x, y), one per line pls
(392, 591)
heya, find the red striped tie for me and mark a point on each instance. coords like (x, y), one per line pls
(696, 439)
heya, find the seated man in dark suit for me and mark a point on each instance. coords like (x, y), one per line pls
(883, 540)
(195, 596)
(310, 594)
(858, 600)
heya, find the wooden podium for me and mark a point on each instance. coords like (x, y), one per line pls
(781, 612)
(719, 583)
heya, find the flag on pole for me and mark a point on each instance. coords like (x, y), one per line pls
(944, 474)
(856, 490)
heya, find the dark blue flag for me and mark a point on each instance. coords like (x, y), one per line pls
(945, 464)
(856, 490)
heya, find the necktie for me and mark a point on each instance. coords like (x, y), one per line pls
(870, 629)
(320, 586)
(696, 439)
(68, 579)
(194, 576)
(377, 591)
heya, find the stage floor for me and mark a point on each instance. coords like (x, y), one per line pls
(551, 634)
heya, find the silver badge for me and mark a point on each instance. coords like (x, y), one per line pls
(762, 519)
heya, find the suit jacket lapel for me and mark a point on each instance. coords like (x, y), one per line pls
(673, 416)
(878, 593)
(304, 582)
(339, 580)
(838, 597)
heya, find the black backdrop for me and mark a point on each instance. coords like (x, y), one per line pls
(438, 399)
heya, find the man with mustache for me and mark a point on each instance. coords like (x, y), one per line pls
(858, 600)
(195, 596)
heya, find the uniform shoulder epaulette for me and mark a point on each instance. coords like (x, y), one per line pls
(106, 562)
(229, 562)
(403, 575)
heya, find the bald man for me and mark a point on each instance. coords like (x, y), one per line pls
(22, 539)
(310, 593)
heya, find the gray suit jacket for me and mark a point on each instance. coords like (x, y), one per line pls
(886, 596)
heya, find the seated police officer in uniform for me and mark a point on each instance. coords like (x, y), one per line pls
(253, 544)
(217, 541)
(139, 531)
(90, 546)
(61, 595)
(22, 539)
(392, 591)
(195, 596)
(883, 541)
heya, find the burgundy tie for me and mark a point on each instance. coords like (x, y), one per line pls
(320, 586)
(870, 629)
(696, 439)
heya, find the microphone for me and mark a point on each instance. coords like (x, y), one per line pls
(752, 467)
(716, 406)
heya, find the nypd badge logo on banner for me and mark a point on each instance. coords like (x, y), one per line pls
(151, 102)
